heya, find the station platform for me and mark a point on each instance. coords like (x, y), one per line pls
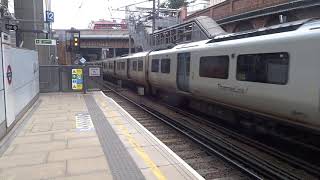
(85, 136)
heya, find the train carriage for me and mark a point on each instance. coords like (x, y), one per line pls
(137, 69)
(270, 72)
(163, 68)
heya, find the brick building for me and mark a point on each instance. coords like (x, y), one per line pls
(241, 15)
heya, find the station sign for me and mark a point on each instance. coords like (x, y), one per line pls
(77, 79)
(11, 27)
(49, 16)
(9, 74)
(83, 60)
(94, 72)
(45, 42)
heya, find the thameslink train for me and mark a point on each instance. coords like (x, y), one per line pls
(271, 72)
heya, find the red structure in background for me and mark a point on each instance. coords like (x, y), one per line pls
(104, 24)
(242, 15)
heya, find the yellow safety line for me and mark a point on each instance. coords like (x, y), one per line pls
(155, 170)
(136, 146)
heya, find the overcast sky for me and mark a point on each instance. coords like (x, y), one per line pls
(79, 13)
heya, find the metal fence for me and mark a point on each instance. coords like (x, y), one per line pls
(60, 78)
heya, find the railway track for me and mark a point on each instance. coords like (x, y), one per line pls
(206, 164)
(253, 159)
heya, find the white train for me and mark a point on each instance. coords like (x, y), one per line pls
(272, 73)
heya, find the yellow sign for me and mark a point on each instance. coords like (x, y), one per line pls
(77, 79)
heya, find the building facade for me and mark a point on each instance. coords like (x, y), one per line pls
(195, 6)
(215, 2)
(104, 24)
(94, 44)
(242, 15)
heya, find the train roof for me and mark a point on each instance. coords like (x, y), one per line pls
(307, 24)
(280, 28)
(135, 55)
(139, 54)
(249, 36)
(192, 44)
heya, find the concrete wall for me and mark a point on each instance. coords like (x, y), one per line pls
(22, 89)
(25, 80)
(31, 11)
(31, 28)
(2, 103)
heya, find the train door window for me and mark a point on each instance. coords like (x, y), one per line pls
(155, 65)
(165, 66)
(118, 65)
(140, 65)
(134, 65)
(272, 68)
(123, 64)
(214, 67)
(183, 71)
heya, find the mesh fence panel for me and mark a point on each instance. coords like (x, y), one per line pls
(59, 78)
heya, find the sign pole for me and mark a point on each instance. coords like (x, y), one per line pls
(49, 48)
(84, 79)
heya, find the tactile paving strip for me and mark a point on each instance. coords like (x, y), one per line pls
(121, 164)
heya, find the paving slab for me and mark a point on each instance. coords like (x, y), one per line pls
(54, 144)
(42, 171)
(49, 145)
(87, 165)
(102, 175)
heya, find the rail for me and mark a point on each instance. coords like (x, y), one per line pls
(248, 162)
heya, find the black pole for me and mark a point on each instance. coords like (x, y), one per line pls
(84, 79)
(153, 16)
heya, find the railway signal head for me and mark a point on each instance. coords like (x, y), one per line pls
(76, 41)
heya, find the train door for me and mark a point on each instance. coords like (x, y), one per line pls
(183, 71)
(128, 68)
(114, 67)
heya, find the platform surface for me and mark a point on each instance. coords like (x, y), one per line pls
(77, 136)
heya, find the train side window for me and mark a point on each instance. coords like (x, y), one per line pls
(272, 68)
(155, 65)
(165, 66)
(140, 65)
(134, 65)
(214, 67)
